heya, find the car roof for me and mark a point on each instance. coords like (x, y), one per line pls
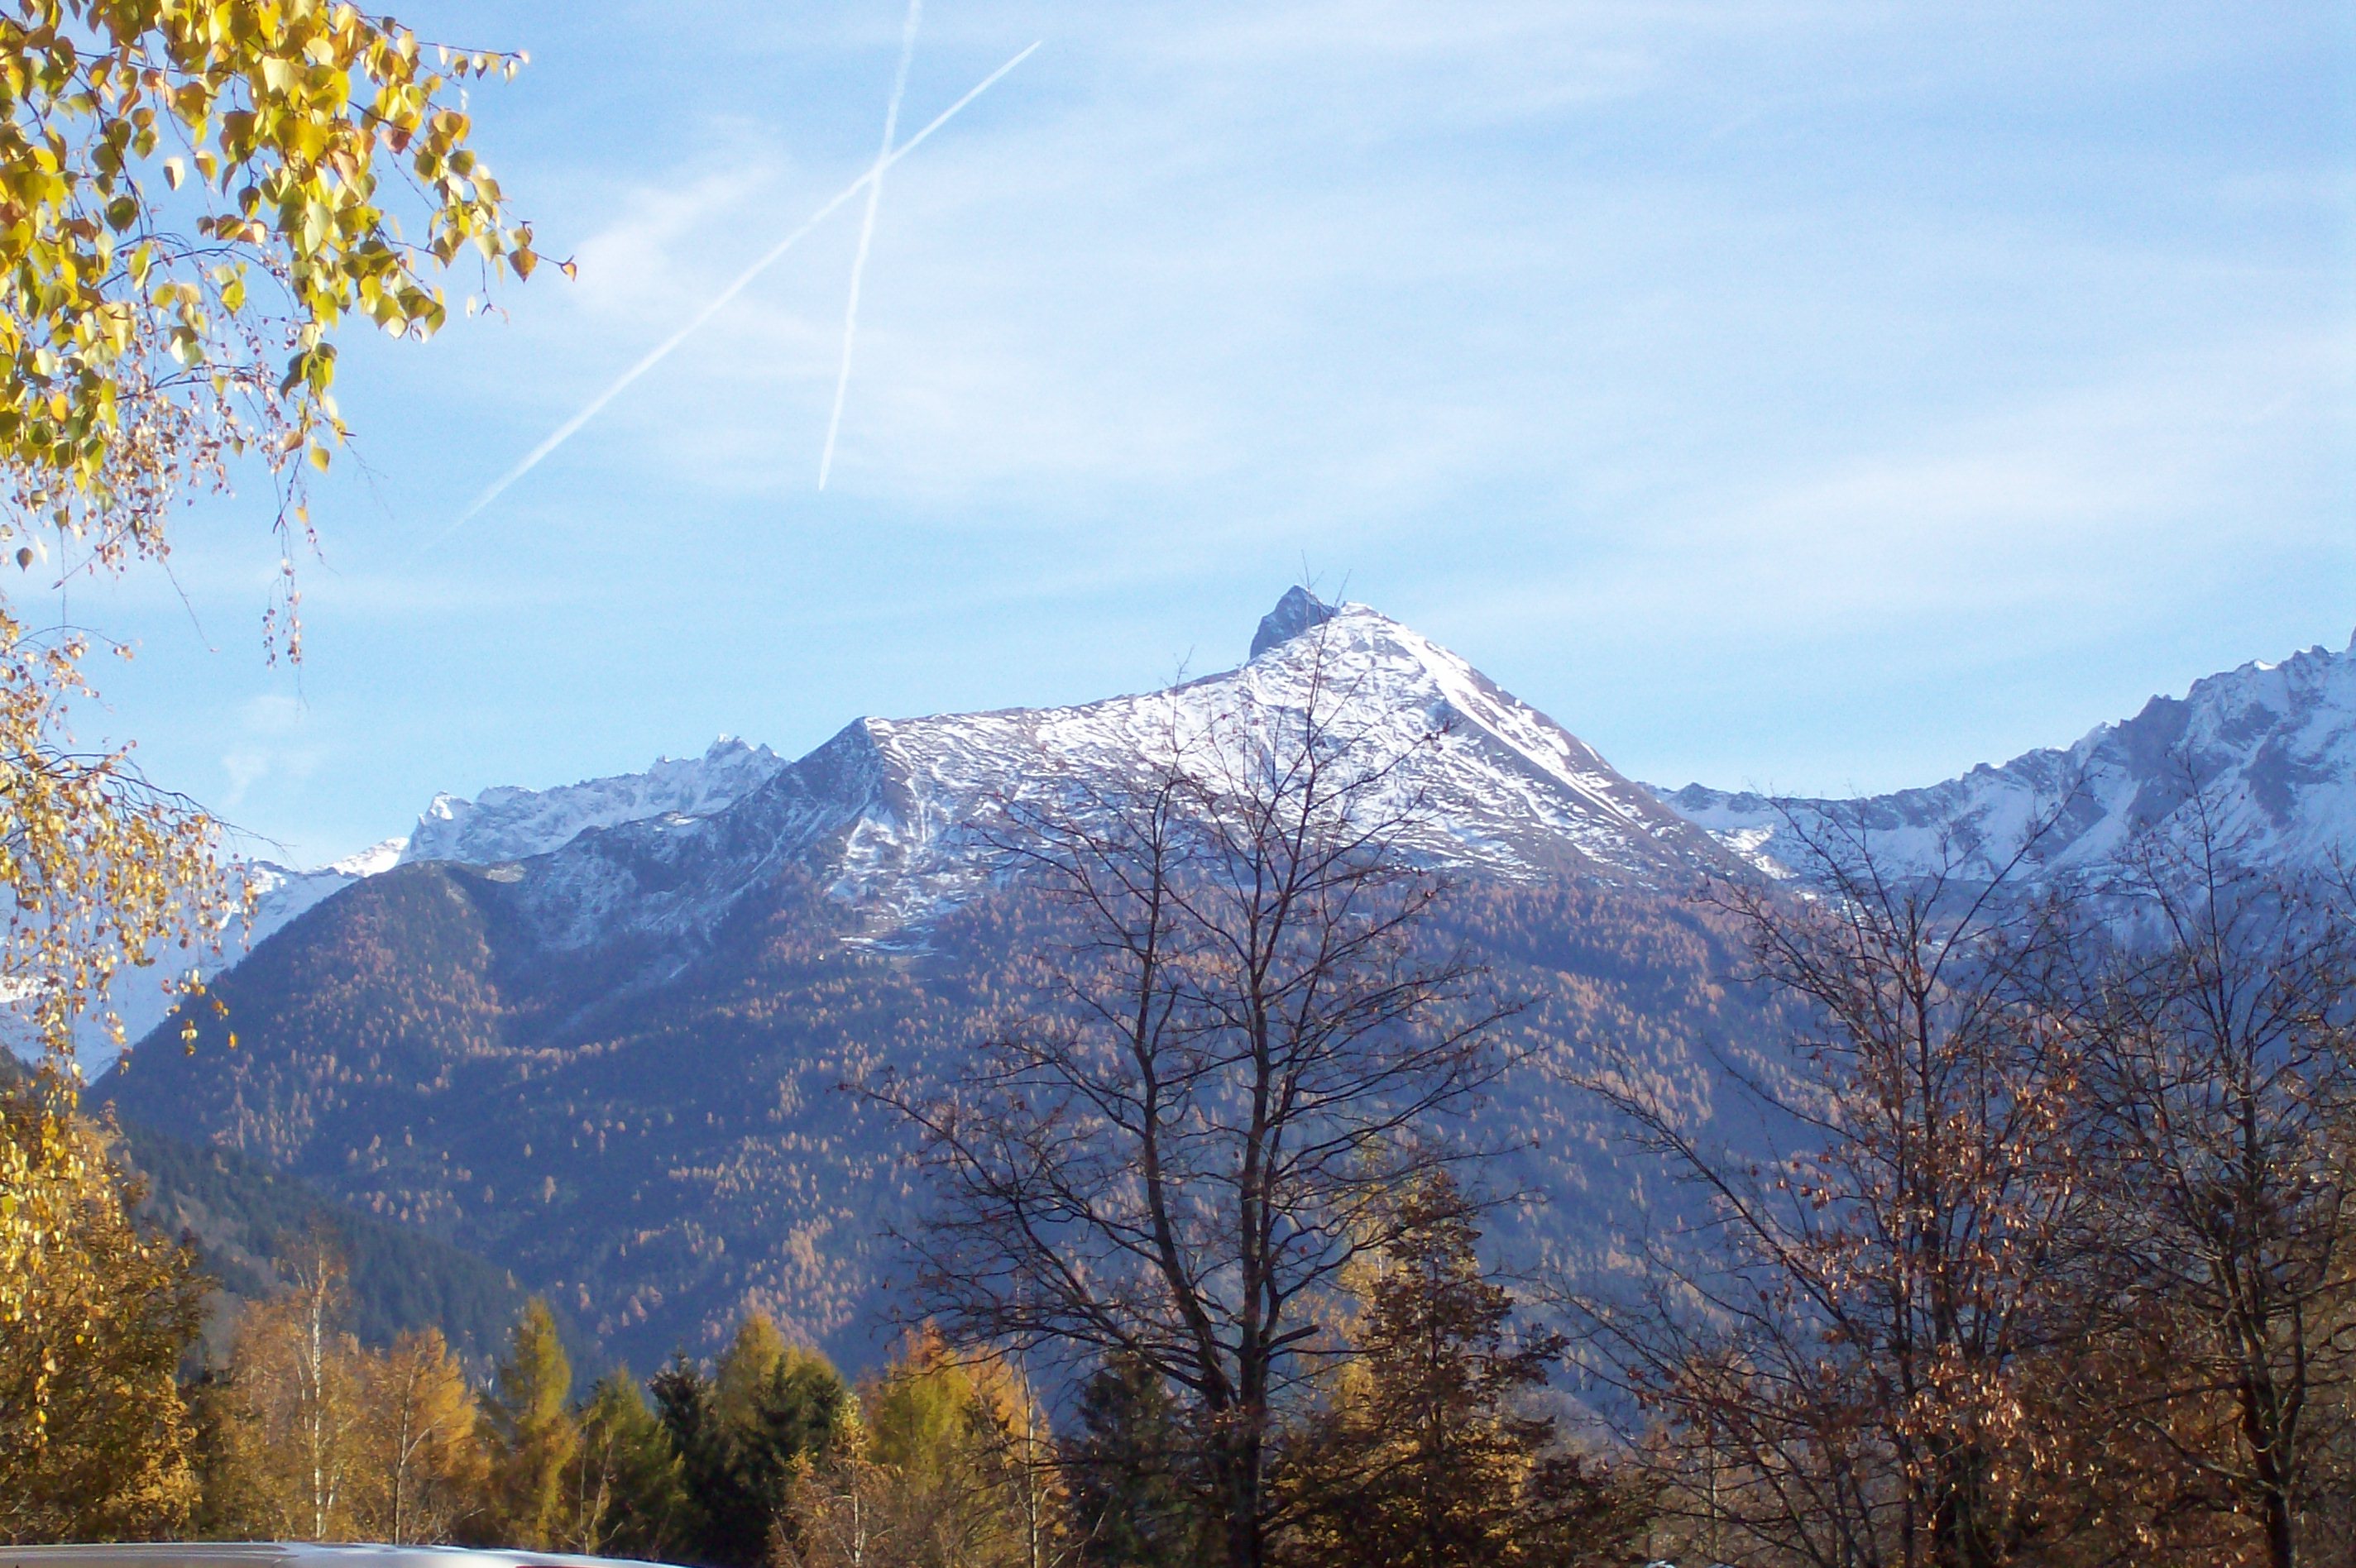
(283, 1554)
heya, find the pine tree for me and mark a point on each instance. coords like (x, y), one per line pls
(628, 1487)
(745, 1436)
(1422, 1458)
(1135, 1498)
(533, 1434)
(684, 1402)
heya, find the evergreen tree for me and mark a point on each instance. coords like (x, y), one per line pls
(533, 1434)
(1135, 1498)
(628, 1487)
(744, 1435)
(1421, 1459)
(684, 1402)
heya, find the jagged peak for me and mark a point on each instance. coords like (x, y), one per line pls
(381, 856)
(1296, 613)
(2272, 740)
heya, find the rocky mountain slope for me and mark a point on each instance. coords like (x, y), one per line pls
(2271, 746)
(615, 1063)
(600, 1034)
(895, 814)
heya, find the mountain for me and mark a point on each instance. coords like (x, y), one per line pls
(613, 1061)
(281, 892)
(891, 809)
(600, 1034)
(893, 817)
(509, 824)
(244, 1218)
(2272, 746)
(500, 824)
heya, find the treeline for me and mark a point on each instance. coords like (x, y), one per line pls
(242, 1215)
(762, 1459)
(769, 1457)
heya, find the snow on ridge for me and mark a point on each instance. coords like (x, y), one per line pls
(895, 815)
(2275, 739)
(507, 822)
(499, 824)
(889, 808)
(376, 857)
(889, 813)
(1516, 795)
(281, 892)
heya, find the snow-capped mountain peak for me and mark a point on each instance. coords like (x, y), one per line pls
(892, 815)
(509, 822)
(1294, 613)
(2272, 742)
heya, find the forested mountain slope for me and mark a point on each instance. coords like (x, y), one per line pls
(662, 1157)
(246, 1218)
(616, 1066)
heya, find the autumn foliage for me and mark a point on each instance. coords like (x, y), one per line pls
(2037, 1249)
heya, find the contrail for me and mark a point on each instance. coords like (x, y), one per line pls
(867, 234)
(654, 356)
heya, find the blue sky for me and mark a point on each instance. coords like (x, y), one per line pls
(1819, 397)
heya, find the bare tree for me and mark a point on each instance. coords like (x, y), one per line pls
(1837, 1347)
(1176, 1156)
(2221, 1157)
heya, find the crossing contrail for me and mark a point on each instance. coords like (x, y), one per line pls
(656, 356)
(867, 235)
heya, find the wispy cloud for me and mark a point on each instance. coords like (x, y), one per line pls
(872, 181)
(1763, 382)
(272, 747)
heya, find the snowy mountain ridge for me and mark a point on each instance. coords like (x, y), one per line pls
(894, 818)
(2272, 743)
(506, 823)
(892, 815)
